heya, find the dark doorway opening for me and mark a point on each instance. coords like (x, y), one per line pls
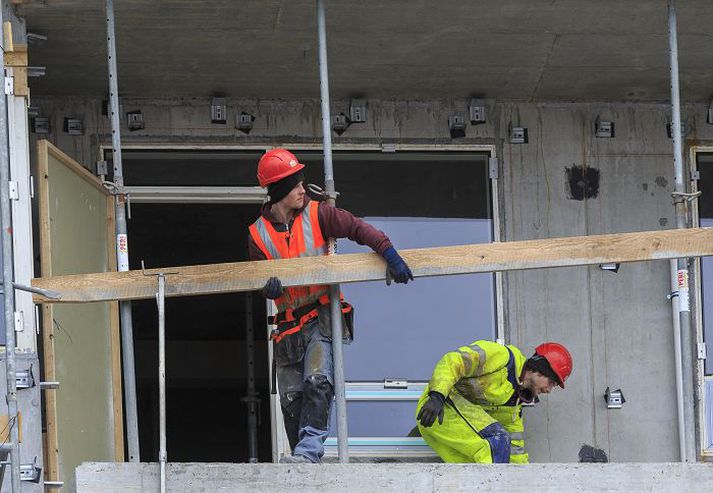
(206, 353)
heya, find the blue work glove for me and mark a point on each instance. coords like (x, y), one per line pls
(272, 289)
(432, 409)
(397, 268)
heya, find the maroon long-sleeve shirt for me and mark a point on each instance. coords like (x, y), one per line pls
(334, 223)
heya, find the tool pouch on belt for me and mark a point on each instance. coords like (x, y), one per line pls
(290, 349)
(325, 322)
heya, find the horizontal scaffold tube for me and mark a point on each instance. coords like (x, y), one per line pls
(424, 262)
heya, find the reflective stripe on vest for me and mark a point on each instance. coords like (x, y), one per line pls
(305, 240)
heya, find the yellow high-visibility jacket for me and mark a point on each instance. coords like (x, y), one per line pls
(480, 379)
(479, 372)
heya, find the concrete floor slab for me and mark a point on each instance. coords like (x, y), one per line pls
(339, 478)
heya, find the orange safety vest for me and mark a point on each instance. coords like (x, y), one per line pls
(297, 305)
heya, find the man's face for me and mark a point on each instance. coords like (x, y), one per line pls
(296, 198)
(537, 383)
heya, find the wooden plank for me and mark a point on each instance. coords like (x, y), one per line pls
(6, 426)
(16, 59)
(115, 328)
(7, 36)
(424, 262)
(19, 76)
(52, 463)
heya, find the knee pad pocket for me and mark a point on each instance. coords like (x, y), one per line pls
(499, 440)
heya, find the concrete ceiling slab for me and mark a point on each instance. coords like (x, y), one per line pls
(407, 49)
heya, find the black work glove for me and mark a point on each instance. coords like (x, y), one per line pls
(272, 289)
(431, 409)
(397, 269)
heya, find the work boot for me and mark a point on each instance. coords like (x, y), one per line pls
(294, 459)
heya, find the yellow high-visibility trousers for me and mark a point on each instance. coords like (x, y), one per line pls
(456, 439)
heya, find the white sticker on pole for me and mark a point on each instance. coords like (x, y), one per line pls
(122, 252)
(683, 301)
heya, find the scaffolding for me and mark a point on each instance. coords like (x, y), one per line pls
(49, 293)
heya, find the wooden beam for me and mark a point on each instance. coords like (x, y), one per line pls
(424, 262)
(16, 58)
(7, 36)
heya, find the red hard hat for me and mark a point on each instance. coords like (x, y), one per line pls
(559, 359)
(276, 164)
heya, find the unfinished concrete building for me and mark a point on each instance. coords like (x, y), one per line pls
(452, 123)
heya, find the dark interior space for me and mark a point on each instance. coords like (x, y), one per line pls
(206, 354)
(450, 184)
(705, 182)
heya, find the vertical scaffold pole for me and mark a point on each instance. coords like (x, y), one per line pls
(162, 453)
(7, 279)
(251, 395)
(334, 295)
(122, 245)
(684, 309)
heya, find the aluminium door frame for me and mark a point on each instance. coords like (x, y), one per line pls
(697, 294)
(248, 195)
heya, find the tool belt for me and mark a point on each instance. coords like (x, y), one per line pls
(289, 323)
(287, 339)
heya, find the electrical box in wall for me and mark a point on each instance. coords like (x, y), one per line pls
(518, 135)
(339, 123)
(456, 125)
(603, 129)
(134, 120)
(41, 125)
(357, 111)
(669, 129)
(244, 122)
(218, 111)
(614, 398)
(74, 126)
(476, 110)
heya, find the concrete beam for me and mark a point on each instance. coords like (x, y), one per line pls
(97, 477)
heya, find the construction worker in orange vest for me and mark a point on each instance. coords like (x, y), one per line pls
(476, 395)
(291, 226)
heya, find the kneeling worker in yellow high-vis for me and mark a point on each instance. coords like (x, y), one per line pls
(476, 394)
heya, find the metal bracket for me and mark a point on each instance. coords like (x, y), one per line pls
(30, 472)
(388, 147)
(395, 383)
(49, 385)
(24, 379)
(493, 168)
(14, 193)
(102, 168)
(672, 295)
(19, 321)
(614, 398)
(702, 352)
(9, 86)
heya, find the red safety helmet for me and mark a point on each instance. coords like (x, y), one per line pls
(276, 164)
(558, 357)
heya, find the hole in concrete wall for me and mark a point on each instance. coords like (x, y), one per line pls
(591, 454)
(583, 182)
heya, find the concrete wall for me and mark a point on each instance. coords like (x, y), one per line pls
(618, 326)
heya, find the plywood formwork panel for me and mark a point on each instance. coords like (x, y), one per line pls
(80, 342)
